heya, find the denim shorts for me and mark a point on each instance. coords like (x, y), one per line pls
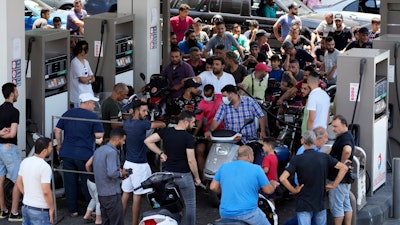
(339, 200)
(10, 159)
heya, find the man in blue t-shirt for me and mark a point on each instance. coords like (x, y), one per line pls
(239, 182)
(78, 146)
(136, 159)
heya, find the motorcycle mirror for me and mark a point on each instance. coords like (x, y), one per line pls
(246, 122)
(143, 76)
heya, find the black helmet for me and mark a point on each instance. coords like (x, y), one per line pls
(217, 18)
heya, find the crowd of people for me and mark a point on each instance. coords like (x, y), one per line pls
(209, 71)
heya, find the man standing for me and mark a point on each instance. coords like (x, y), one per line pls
(10, 158)
(182, 22)
(257, 82)
(136, 158)
(285, 22)
(235, 110)
(198, 65)
(342, 35)
(343, 151)
(291, 76)
(75, 19)
(176, 72)
(179, 158)
(222, 38)
(34, 184)
(330, 61)
(310, 206)
(201, 36)
(301, 55)
(239, 182)
(325, 26)
(189, 42)
(318, 104)
(217, 77)
(110, 109)
(77, 147)
(255, 56)
(108, 175)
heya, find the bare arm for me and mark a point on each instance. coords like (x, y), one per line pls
(276, 31)
(342, 172)
(215, 186)
(157, 125)
(284, 180)
(310, 120)
(57, 134)
(261, 121)
(270, 188)
(19, 184)
(86, 80)
(151, 141)
(193, 165)
(48, 197)
(292, 91)
(12, 131)
(345, 153)
(88, 164)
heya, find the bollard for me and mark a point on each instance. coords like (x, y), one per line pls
(396, 186)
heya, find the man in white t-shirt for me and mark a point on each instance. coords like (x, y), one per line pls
(318, 104)
(34, 184)
(217, 77)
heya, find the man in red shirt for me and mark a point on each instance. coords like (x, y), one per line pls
(181, 23)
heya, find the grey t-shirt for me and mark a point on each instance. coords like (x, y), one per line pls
(228, 41)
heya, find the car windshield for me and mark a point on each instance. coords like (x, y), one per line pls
(303, 10)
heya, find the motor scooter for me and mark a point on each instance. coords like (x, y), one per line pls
(165, 199)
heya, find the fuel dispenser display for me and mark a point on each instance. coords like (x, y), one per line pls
(47, 83)
(370, 81)
(117, 47)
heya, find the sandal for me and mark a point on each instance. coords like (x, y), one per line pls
(89, 220)
(75, 214)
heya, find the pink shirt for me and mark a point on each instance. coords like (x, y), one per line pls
(179, 27)
(209, 109)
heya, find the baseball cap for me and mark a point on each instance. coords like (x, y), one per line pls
(262, 67)
(253, 44)
(261, 33)
(363, 30)
(338, 16)
(197, 19)
(294, 5)
(191, 83)
(287, 45)
(84, 97)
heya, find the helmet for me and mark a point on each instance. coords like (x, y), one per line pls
(217, 18)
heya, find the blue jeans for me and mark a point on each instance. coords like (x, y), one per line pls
(188, 191)
(256, 217)
(307, 218)
(10, 159)
(34, 217)
(71, 183)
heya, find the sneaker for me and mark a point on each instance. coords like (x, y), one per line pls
(15, 218)
(4, 214)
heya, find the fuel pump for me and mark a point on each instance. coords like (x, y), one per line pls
(46, 81)
(110, 36)
(367, 86)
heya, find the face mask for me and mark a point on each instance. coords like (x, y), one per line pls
(125, 101)
(226, 100)
(208, 99)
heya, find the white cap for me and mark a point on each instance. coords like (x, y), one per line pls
(84, 97)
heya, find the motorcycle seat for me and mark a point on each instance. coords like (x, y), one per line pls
(226, 221)
(163, 212)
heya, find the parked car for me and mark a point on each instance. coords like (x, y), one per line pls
(62, 4)
(100, 6)
(350, 9)
(365, 6)
(32, 13)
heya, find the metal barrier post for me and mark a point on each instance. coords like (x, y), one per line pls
(396, 186)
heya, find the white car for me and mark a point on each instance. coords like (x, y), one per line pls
(349, 9)
(62, 4)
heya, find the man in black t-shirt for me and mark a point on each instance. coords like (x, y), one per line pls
(179, 158)
(311, 168)
(343, 151)
(341, 35)
(10, 158)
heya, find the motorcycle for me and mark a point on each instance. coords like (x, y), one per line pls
(165, 199)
